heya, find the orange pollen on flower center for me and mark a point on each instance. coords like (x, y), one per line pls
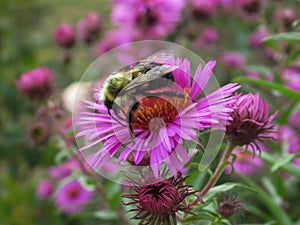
(153, 113)
(187, 91)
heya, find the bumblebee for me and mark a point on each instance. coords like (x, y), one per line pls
(136, 79)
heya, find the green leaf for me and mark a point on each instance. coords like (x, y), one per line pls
(283, 160)
(225, 187)
(291, 169)
(259, 69)
(274, 208)
(202, 216)
(106, 215)
(288, 36)
(269, 223)
(273, 86)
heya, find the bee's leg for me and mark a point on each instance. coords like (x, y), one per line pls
(129, 118)
(108, 111)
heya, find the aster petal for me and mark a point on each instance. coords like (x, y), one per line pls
(182, 153)
(201, 79)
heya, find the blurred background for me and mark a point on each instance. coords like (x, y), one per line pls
(37, 149)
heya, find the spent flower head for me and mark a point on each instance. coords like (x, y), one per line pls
(228, 205)
(157, 200)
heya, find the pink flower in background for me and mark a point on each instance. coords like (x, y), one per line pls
(65, 169)
(251, 125)
(44, 189)
(90, 27)
(227, 5)
(292, 141)
(256, 75)
(294, 119)
(64, 35)
(285, 17)
(250, 6)
(36, 84)
(203, 9)
(257, 36)
(245, 163)
(147, 18)
(113, 39)
(72, 197)
(233, 60)
(170, 123)
(291, 78)
(210, 35)
(297, 62)
(291, 138)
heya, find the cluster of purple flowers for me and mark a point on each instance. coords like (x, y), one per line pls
(69, 194)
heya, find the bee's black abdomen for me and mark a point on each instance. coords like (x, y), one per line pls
(169, 76)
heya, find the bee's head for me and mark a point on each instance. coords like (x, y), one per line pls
(108, 104)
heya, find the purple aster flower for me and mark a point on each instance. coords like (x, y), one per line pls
(255, 75)
(113, 39)
(210, 35)
(65, 169)
(89, 28)
(203, 9)
(162, 126)
(257, 36)
(291, 78)
(245, 162)
(290, 137)
(148, 18)
(297, 62)
(250, 6)
(227, 5)
(36, 84)
(294, 119)
(251, 125)
(64, 35)
(45, 189)
(71, 197)
(285, 17)
(234, 60)
(158, 200)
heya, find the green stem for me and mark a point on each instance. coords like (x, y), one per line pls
(218, 172)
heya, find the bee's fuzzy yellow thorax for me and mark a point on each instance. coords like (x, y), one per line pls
(113, 85)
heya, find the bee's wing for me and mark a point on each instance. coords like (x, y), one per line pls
(151, 75)
(158, 57)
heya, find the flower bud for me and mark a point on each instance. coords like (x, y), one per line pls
(36, 84)
(64, 35)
